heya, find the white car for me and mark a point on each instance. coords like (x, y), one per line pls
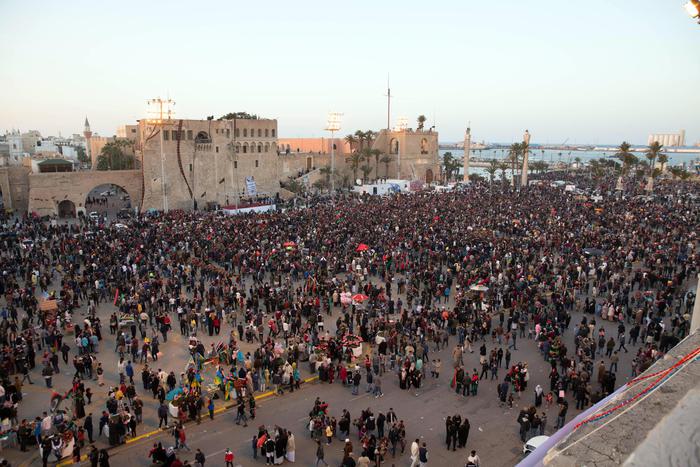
(94, 215)
(120, 226)
(533, 443)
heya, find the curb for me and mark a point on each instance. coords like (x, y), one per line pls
(261, 396)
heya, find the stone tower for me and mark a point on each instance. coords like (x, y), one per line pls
(467, 153)
(87, 133)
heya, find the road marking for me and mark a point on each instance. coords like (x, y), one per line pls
(264, 395)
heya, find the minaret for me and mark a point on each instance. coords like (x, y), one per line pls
(467, 153)
(523, 176)
(87, 133)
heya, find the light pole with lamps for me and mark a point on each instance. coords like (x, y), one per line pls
(163, 117)
(693, 9)
(333, 126)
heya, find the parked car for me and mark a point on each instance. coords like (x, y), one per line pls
(533, 443)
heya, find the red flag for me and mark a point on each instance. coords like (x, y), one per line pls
(116, 295)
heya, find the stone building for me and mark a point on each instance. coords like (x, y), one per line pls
(207, 161)
(414, 154)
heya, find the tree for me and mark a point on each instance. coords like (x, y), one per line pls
(421, 122)
(626, 157)
(352, 142)
(113, 157)
(295, 186)
(386, 160)
(360, 135)
(514, 153)
(355, 161)
(492, 169)
(239, 116)
(450, 165)
(652, 154)
(503, 166)
(578, 162)
(327, 173)
(475, 178)
(366, 169)
(82, 156)
(663, 160)
(321, 184)
(376, 153)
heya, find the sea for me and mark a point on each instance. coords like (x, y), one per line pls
(684, 159)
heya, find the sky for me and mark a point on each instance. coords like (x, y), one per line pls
(596, 72)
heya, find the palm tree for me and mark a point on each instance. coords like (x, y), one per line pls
(503, 166)
(663, 159)
(355, 161)
(578, 162)
(447, 165)
(376, 153)
(513, 157)
(360, 135)
(626, 157)
(491, 169)
(651, 155)
(421, 122)
(352, 142)
(366, 169)
(327, 173)
(369, 137)
(386, 160)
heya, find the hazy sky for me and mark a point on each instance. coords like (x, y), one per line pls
(598, 71)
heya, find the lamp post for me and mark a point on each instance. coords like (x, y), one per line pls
(693, 9)
(163, 117)
(333, 125)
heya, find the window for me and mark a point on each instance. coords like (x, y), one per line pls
(166, 135)
(237, 133)
(259, 147)
(228, 132)
(190, 167)
(217, 131)
(267, 132)
(259, 133)
(256, 162)
(245, 148)
(238, 148)
(189, 135)
(273, 132)
(133, 130)
(245, 132)
(217, 148)
(235, 164)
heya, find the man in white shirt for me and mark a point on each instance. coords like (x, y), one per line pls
(414, 453)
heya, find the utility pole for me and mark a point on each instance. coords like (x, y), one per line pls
(388, 103)
(333, 126)
(163, 117)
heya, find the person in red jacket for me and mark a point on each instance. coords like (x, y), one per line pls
(228, 458)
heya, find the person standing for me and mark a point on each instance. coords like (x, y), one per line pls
(320, 454)
(563, 407)
(423, 455)
(87, 425)
(241, 413)
(199, 457)
(228, 458)
(473, 460)
(183, 438)
(415, 448)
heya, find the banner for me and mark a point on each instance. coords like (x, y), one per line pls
(250, 186)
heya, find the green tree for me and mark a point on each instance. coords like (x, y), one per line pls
(421, 122)
(652, 154)
(366, 169)
(377, 154)
(503, 166)
(82, 156)
(355, 161)
(476, 178)
(352, 142)
(386, 160)
(492, 169)
(663, 160)
(626, 157)
(327, 173)
(514, 153)
(239, 116)
(114, 157)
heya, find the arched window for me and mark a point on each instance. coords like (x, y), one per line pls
(245, 148)
(237, 133)
(252, 147)
(267, 147)
(245, 132)
(202, 138)
(259, 133)
(273, 132)
(267, 132)
(394, 146)
(238, 148)
(260, 147)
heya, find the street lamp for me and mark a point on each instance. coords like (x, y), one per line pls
(693, 8)
(162, 116)
(333, 125)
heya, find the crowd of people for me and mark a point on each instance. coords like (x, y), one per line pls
(485, 265)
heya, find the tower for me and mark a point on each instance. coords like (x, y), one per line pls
(87, 133)
(526, 150)
(467, 153)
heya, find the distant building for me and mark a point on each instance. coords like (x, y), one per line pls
(668, 139)
(314, 146)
